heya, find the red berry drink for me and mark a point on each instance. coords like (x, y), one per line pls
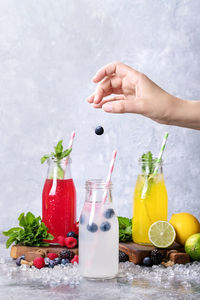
(59, 200)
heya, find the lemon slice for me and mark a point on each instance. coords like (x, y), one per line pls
(162, 234)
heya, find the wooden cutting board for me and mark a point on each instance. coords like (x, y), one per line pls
(135, 252)
(31, 252)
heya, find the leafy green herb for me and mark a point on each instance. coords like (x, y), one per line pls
(125, 229)
(31, 232)
(59, 154)
(148, 163)
(148, 167)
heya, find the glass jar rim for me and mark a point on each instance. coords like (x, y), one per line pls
(98, 184)
(141, 160)
(53, 159)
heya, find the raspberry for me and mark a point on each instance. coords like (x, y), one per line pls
(61, 240)
(66, 254)
(38, 262)
(51, 256)
(70, 242)
(75, 259)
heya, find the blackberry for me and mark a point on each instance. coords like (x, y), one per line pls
(156, 257)
(67, 254)
(123, 256)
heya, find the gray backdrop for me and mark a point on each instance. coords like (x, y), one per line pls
(49, 50)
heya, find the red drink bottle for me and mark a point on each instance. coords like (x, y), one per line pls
(59, 199)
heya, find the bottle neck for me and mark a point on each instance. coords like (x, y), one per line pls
(147, 168)
(98, 191)
(59, 169)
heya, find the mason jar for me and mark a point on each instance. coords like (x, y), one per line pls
(98, 232)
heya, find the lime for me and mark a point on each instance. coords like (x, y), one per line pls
(192, 246)
(161, 234)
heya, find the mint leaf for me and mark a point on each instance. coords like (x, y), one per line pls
(29, 218)
(125, 229)
(44, 158)
(32, 232)
(59, 147)
(148, 167)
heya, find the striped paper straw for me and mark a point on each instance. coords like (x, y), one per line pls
(69, 147)
(111, 167)
(161, 153)
(71, 140)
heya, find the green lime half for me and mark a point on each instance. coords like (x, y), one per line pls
(162, 234)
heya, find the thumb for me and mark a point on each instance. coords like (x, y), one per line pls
(121, 107)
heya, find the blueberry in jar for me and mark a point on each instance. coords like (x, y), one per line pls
(82, 219)
(109, 213)
(105, 226)
(92, 227)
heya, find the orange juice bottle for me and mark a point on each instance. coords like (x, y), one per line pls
(150, 200)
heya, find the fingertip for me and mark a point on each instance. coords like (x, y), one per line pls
(107, 107)
(90, 99)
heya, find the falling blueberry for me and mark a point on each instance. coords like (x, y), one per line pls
(82, 219)
(99, 130)
(147, 261)
(92, 227)
(64, 261)
(105, 226)
(109, 213)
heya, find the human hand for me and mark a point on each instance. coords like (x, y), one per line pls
(132, 92)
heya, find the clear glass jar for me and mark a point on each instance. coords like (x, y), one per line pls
(98, 232)
(59, 199)
(150, 202)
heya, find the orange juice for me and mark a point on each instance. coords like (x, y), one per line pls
(148, 207)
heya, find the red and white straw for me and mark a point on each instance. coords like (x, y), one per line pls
(69, 147)
(111, 167)
(71, 140)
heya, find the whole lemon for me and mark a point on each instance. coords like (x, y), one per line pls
(185, 225)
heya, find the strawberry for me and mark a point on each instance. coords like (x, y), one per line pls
(38, 262)
(70, 242)
(75, 259)
(61, 240)
(51, 256)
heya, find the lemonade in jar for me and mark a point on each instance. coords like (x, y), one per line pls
(150, 201)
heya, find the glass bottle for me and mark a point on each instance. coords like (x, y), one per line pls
(59, 198)
(98, 232)
(150, 202)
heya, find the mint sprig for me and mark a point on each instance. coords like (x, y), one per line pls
(32, 232)
(59, 154)
(125, 229)
(148, 167)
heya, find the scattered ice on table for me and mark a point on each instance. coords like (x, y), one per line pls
(176, 282)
